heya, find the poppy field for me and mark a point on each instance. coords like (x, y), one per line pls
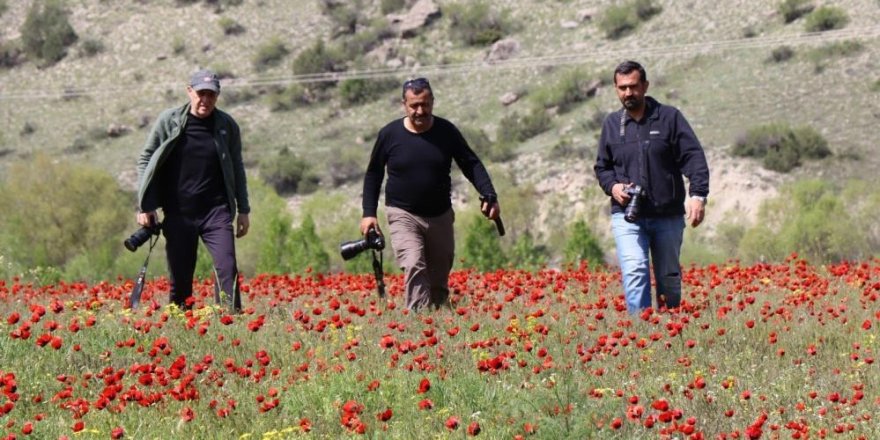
(783, 350)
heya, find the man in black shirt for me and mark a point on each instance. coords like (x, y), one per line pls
(650, 146)
(417, 152)
(191, 167)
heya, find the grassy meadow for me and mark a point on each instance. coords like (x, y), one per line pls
(783, 350)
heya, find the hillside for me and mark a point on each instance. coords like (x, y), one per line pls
(709, 59)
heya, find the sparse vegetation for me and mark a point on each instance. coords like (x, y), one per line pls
(270, 54)
(230, 26)
(791, 10)
(91, 47)
(389, 6)
(781, 54)
(780, 147)
(287, 98)
(317, 58)
(515, 128)
(477, 23)
(619, 21)
(822, 55)
(826, 18)
(573, 88)
(363, 90)
(287, 173)
(487, 150)
(46, 32)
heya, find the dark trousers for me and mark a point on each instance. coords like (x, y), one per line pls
(182, 232)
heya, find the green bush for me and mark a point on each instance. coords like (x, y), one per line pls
(91, 47)
(782, 147)
(46, 32)
(318, 59)
(573, 88)
(287, 173)
(270, 54)
(481, 248)
(389, 6)
(55, 211)
(230, 26)
(810, 218)
(791, 10)
(822, 55)
(11, 54)
(619, 21)
(515, 128)
(3, 7)
(582, 245)
(525, 254)
(344, 15)
(363, 90)
(366, 39)
(487, 150)
(826, 18)
(288, 98)
(781, 54)
(477, 24)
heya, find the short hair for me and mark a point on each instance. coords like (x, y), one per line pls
(627, 67)
(417, 85)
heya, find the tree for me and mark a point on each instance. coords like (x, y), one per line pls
(46, 32)
(582, 245)
(482, 249)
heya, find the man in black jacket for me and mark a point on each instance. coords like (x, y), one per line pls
(418, 151)
(644, 150)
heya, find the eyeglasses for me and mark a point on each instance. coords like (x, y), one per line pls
(416, 85)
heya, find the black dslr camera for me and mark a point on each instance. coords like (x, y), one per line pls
(636, 194)
(141, 236)
(351, 249)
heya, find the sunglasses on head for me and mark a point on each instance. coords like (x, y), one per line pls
(416, 85)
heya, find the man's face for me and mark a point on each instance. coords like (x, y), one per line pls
(201, 102)
(631, 90)
(419, 108)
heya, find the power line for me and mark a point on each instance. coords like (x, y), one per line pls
(568, 57)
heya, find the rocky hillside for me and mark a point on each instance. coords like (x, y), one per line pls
(718, 62)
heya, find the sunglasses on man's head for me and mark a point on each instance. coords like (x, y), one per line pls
(416, 85)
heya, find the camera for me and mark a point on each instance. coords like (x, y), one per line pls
(141, 236)
(636, 194)
(351, 249)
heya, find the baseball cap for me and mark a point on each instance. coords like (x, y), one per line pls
(205, 80)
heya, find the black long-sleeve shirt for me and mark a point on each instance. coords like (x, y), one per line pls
(671, 148)
(418, 167)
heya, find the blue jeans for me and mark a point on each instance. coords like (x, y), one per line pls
(662, 237)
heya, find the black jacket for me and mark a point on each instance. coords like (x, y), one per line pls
(670, 148)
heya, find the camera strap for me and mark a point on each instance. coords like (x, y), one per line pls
(378, 273)
(135, 299)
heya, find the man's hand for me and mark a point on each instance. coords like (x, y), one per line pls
(492, 211)
(367, 223)
(696, 211)
(242, 224)
(147, 219)
(618, 192)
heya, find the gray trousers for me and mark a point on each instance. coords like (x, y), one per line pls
(425, 250)
(182, 233)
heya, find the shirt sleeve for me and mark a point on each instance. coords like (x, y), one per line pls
(692, 158)
(374, 176)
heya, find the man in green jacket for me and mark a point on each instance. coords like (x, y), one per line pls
(191, 167)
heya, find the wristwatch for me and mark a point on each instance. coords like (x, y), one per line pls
(700, 198)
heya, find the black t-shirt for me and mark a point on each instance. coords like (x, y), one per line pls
(191, 177)
(418, 166)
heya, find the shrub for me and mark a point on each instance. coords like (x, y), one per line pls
(514, 128)
(781, 147)
(287, 173)
(364, 90)
(619, 21)
(288, 98)
(46, 31)
(822, 55)
(823, 231)
(582, 245)
(3, 7)
(178, 45)
(487, 150)
(481, 248)
(270, 54)
(91, 47)
(365, 40)
(526, 254)
(826, 18)
(343, 15)
(791, 10)
(573, 88)
(389, 6)
(781, 54)
(230, 26)
(11, 54)
(54, 211)
(477, 24)
(317, 59)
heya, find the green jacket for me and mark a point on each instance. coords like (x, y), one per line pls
(163, 137)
